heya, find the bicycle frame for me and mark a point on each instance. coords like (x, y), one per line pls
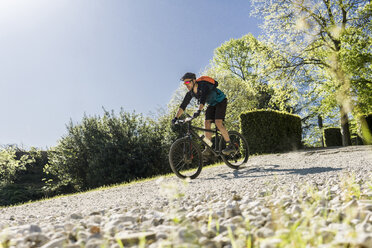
(191, 132)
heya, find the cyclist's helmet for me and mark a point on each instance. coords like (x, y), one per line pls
(188, 75)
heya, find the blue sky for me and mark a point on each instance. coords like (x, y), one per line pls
(60, 59)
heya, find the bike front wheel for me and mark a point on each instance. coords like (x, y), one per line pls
(185, 158)
(241, 153)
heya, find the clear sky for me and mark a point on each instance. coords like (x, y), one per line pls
(60, 59)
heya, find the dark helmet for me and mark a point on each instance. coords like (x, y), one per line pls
(189, 75)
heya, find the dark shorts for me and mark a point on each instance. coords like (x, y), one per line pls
(216, 112)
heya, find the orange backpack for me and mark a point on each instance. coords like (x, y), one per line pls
(207, 79)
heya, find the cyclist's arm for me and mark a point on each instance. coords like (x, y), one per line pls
(185, 102)
(179, 113)
(201, 106)
(180, 110)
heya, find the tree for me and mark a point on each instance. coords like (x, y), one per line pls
(10, 165)
(252, 62)
(240, 59)
(357, 62)
(241, 96)
(308, 36)
(108, 150)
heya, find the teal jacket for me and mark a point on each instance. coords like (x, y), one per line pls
(206, 93)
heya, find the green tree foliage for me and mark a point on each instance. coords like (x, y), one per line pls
(308, 37)
(107, 150)
(252, 62)
(357, 62)
(10, 165)
(240, 59)
(241, 97)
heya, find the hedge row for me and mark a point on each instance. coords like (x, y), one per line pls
(332, 136)
(270, 131)
(366, 129)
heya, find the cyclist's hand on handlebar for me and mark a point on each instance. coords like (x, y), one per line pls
(174, 120)
(196, 114)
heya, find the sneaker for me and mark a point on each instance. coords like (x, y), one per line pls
(228, 150)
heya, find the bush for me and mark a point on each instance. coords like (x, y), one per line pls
(366, 129)
(369, 121)
(10, 165)
(356, 140)
(27, 180)
(11, 194)
(108, 150)
(332, 136)
(269, 131)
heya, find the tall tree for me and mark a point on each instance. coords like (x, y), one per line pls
(308, 35)
(239, 58)
(251, 61)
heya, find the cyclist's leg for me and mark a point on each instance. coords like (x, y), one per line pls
(209, 118)
(223, 131)
(220, 114)
(207, 125)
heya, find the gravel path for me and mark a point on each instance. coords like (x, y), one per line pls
(263, 175)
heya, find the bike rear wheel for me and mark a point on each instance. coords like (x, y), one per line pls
(241, 154)
(185, 158)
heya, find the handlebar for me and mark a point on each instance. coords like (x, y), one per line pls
(188, 119)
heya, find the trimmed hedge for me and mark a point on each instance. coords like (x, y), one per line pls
(356, 140)
(270, 131)
(369, 121)
(366, 129)
(332, 136)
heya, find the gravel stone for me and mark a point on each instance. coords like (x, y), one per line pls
(262, 200)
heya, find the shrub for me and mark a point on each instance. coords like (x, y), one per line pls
(11, 194)
(356, 140)
(366, 129)
(108, 150)
(10, 165)
(332, 136)
(27, 181)
(269, 131)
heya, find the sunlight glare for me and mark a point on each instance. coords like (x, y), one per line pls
(20, 9)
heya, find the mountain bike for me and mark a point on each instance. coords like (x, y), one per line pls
(185, 156)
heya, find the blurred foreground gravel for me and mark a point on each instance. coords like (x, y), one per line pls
(258, 204)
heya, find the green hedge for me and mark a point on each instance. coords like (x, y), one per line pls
(332, 136)
(270, 131)
(356, 140)
(366, 129)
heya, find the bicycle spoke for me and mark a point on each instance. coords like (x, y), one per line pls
(180, 167)
(241, 153)
(185, 158)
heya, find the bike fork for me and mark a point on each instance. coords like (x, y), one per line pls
(188, 152)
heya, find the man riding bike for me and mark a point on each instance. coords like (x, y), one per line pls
(204, 89)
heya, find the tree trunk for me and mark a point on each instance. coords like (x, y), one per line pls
(320, 124)
(345, 131)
